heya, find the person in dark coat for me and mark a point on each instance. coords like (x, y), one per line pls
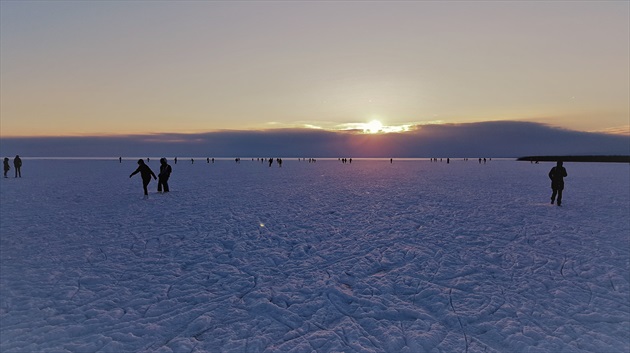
(145, 173)
(557, 175)
(17, 164)
(165, 173)
(6, 166)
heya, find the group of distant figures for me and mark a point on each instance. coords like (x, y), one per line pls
(448, 160)
(237, 160)
(17, 165)
(556, 174)
(165, 172)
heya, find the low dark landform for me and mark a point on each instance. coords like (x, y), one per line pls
(605, 159)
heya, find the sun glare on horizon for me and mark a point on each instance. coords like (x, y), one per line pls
(373, 127)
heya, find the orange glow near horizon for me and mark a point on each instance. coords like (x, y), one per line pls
(258, 66)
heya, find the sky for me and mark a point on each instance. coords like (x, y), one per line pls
(118, 68)
(505, 139)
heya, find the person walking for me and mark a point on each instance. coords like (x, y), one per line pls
(165, 173)
(145, 173)
(17, 164)
(557, 175)
(6, 166)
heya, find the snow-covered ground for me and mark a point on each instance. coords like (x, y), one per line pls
(413, 256)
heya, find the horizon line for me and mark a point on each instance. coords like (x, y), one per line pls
(612, 131)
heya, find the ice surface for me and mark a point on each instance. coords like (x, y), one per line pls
(413, 256)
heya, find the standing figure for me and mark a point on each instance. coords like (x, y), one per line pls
(17, 164)
(557, 174)
(145, 173)
(165, 173)
(6, 166)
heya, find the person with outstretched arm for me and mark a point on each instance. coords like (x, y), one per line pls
(145, 173)
(557, 175)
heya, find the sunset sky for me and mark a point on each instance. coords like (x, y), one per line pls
(80, 68)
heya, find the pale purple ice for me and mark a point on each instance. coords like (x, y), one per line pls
(409, 256)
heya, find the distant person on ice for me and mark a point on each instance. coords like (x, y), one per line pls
(557, 174)
(165, 173)
(17, 164)
(145, 173)
(6, 166)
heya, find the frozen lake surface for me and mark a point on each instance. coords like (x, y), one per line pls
(413, 256)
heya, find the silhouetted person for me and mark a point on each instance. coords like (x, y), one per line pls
(17, 164)
(119, 159)
(145, 173)
(6, 166)
(557, 174)
(165, 173)
(270, 161)
(175, 160)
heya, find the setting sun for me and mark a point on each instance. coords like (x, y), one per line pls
(373, 127)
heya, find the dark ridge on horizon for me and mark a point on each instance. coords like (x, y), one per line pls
(591, 158)
(496, 139)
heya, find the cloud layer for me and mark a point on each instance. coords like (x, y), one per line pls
(485, 139)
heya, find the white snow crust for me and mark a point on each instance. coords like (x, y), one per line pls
(412, 256)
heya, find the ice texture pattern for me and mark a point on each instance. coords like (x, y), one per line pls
(410, 256)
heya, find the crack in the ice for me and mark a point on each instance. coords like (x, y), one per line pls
(450, 300)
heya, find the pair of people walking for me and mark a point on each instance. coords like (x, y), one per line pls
(146, 173)
(17, 164)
